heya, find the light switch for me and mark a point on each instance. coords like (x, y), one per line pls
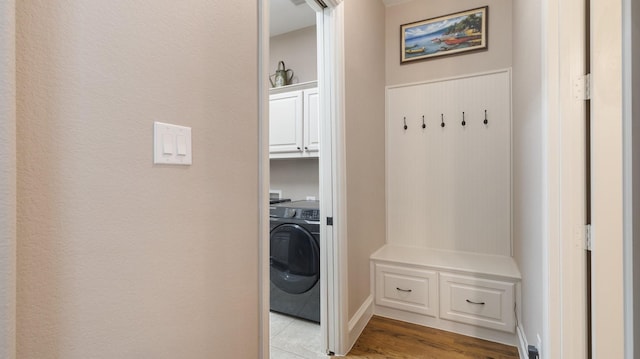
(167, 144)
(172, 144)
(181, 142)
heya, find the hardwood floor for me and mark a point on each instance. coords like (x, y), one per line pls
(387, 338)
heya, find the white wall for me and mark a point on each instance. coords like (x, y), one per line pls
(364, 138)
(299, 52)
(297, 178)
(7, 181)
(119, 258)
(528, 163)
(498, 55)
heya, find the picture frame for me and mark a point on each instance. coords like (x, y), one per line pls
(453, 34)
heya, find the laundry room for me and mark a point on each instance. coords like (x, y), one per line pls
(294, 166)
(294, 181)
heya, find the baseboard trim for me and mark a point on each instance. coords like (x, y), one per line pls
(492, 335)
(522, 341)
(359, 321)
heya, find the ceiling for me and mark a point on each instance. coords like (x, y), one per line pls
(285, 16)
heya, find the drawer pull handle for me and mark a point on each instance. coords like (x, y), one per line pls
(404, 290)
(472, 302)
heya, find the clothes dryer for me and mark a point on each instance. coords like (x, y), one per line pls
(295, 259)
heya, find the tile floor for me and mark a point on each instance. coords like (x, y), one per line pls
(293, 338)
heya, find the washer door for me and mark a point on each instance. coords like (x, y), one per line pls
(295, 259)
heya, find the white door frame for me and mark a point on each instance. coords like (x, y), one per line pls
(565, 152)
(332, 181)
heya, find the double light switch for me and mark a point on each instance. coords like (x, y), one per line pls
(172, 144)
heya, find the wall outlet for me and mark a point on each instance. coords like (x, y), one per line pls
(311, 198)
(275, 193)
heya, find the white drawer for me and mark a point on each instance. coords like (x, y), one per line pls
(481, 302)
(413, 290)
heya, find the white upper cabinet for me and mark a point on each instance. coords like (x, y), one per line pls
(294, 124)
(285, 122)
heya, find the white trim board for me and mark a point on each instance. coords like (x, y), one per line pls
(359, 321)
(447, 325)
(522, 343)
(467, 205)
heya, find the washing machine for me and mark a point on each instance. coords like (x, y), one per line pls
(295, 259)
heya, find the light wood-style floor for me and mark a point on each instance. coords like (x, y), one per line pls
(387, 338)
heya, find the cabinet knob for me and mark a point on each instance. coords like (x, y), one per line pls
(298, 148)
(306, 148)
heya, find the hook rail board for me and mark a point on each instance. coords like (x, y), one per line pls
(448, 183)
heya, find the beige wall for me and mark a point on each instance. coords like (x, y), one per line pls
(119, 258)
(528, 163)
(298, 49)
(7, 180)
(497, 57)
(364, 137)
(297, 178)
(606, 189)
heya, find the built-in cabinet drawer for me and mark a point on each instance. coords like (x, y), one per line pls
(410, 289)
(481, 302)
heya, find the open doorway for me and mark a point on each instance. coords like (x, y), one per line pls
(294, 183)
(301, 268)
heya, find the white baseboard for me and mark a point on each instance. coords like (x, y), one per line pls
(359, 321)
(448, 325)
(523, 344)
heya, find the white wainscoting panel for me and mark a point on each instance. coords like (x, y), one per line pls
(450, 187)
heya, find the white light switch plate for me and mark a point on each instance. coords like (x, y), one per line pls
(172, 144)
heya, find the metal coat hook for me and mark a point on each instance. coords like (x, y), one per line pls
(463, 121)
(424, 125)
(485, 118)
(442, 119)
(405, 123)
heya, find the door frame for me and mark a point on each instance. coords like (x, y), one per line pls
(564, 262)
(333, 255)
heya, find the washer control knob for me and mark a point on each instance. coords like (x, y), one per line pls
(290, 213)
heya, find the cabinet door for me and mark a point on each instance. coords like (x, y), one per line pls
(285, 122)
(311, 121)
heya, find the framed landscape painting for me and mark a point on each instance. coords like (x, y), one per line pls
(445, 35)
